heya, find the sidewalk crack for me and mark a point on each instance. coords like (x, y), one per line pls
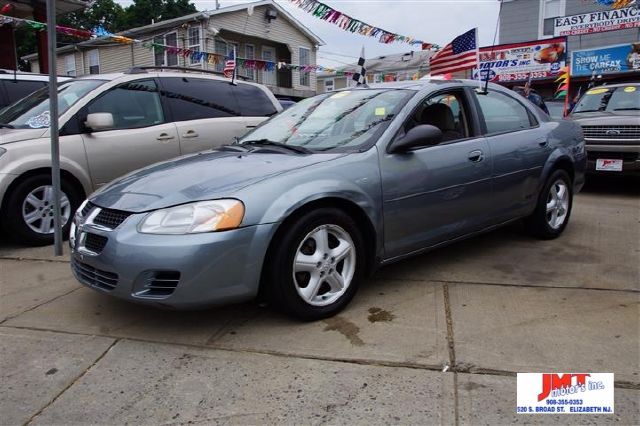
(80, 376)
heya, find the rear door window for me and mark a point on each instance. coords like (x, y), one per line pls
(18, 89)
(198, 98)
(253, 101)
(502, 113)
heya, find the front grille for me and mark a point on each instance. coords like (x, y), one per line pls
(161, 283)
(95, 243)
(611, 132)
(624, 156)
(110, 218)
(94, 277)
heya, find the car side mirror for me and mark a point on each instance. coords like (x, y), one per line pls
(419, 136)
(99, 121)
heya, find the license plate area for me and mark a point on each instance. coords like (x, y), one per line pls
(609, 165)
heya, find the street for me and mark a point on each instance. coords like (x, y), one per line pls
(437, 339)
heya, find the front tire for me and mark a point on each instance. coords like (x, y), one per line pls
(28, 213)
(551, 215)
(316, 265)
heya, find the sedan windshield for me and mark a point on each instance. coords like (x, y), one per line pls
(611, 99)
(32, 112)
(342, 120)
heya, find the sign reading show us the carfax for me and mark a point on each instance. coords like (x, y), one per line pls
(597, 22)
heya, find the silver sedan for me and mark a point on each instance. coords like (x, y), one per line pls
(304, 207)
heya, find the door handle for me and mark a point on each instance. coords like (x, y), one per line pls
(476, 156)
(190, 134)
(165, 137)
(252, 127)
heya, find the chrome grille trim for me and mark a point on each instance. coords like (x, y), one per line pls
(621, 132)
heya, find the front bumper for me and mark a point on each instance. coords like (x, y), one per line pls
(629, 154)
(198, 270)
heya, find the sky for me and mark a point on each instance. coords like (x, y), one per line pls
(433, 21)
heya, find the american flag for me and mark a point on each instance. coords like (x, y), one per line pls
(230, 64)
(459, 55)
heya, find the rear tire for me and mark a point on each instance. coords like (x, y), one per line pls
(316, 265)
(27, 216)
(552, 213)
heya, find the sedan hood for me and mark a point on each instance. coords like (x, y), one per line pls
(204, 176)
(17, 135)
(619, 118)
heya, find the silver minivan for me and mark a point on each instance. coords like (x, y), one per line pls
(111, 124)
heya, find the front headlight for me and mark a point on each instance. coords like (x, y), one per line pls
(202, 216)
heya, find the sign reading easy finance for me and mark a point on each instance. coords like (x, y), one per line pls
(606, 60)
(596, 22)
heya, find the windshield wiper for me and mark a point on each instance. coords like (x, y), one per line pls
(627, 109)
(8, 126)
(267, 142)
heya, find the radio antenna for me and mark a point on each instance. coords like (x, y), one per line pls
(495, 34)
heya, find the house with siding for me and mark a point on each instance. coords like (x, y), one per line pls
(259, 30)
(394, 67)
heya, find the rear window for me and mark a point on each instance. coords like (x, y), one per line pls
(198, 98)
(253, 101)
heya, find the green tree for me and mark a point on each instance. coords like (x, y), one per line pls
(144, 12)
(107, 13)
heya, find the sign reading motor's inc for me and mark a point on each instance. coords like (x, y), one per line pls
(597, 22)
(537, 59)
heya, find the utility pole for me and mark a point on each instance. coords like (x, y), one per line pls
(53, 126)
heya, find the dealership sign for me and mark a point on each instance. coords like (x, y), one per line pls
(597, 22)
(519, 61)
(606, 60)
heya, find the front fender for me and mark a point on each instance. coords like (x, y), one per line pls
(354, 178)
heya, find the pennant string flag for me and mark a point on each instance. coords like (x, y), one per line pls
(347, 23)
(211, 58)
(616, 4)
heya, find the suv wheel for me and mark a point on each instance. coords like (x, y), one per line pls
(317, 265)
(28, 217)
(552, 213)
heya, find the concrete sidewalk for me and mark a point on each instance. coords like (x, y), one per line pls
(434, 340)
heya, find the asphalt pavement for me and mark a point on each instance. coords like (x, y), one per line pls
(437, 339)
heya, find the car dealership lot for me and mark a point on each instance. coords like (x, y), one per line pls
(435, 339)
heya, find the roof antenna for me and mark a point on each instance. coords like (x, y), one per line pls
(495, 34)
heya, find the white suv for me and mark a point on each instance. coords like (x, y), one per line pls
(111, 124)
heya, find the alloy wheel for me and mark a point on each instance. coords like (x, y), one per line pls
(557, 204)
(324, 265)
(37, 209)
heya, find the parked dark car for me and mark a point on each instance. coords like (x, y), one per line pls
(610, 118)
(286, 103)
(313, 200)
